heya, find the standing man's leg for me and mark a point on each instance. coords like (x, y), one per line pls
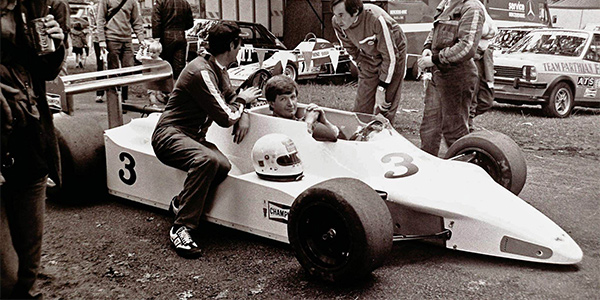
(25, 205)
(456, 89)
(393, 92)
(365, 95)
(431, 125)
(126, 61)
(114, 55)
(99, 67)
(179, 58)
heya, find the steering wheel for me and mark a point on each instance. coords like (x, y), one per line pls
(310, 37)
(363, 133)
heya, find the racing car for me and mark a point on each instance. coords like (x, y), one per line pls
(311, 59)
(354, 197)
(343, 201)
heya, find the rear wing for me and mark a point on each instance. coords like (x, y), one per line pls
(156, 76)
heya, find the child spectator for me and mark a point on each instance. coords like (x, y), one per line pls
(79, 39)
(148, 55)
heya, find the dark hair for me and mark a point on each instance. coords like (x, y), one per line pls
(221, 35)
(279, 85)
(352, 6)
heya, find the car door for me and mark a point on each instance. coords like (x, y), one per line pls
(590, 84)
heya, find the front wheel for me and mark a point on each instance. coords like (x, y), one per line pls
(340, 230)
(290, 71)
(496, 153)
(561, 101)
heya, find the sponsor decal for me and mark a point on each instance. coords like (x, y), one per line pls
(530, 10)
(586, 81)
(572, 67)
(278, 212)
(590, 93)
(398, 12)
(516, 10)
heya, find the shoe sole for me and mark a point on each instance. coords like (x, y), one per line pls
(188, 254)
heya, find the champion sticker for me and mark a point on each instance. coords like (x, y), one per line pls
(278, 212)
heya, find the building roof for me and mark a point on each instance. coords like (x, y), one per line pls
(574, 4)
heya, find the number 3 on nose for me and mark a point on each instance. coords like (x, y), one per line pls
(402, 168)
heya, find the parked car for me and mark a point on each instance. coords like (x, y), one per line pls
(556, 68)
(312, 58)
(254, 36)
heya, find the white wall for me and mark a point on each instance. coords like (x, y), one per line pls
(574, 18)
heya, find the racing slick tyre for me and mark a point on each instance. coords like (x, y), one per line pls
(561, 102)
(340, 230)
(291, 72)
(82, 157)
(496, 153)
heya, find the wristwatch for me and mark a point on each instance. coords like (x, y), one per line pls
(381, 89)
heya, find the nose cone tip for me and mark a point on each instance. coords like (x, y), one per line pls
(570, 255)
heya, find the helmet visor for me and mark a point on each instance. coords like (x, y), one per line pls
(288, 160)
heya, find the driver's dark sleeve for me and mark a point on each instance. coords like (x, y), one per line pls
(323, 133)
(205, 91)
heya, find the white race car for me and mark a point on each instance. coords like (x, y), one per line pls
(355, 197)
(311, 59)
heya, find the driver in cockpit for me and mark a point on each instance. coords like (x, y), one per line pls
(282, 95)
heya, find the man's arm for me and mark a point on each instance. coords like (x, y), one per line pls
(469, 34)
(204, 91)
(137, 23)
(386, 47)
(101, 22)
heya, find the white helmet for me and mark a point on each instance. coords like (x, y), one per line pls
(275, 157)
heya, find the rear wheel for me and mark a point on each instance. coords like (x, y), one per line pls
(561, 102)
(497, 154)
(341, 230)
(83, 165)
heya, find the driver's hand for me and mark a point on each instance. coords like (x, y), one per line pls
(427, 52)
(250, 94)
(320, 113)
(240, 129)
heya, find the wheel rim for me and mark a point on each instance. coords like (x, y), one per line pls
(290, 72)
(324, 236)
(562, 101)
(487, 163)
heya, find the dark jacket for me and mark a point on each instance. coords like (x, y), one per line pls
(202, 94)
(28, 138)
(171, 15)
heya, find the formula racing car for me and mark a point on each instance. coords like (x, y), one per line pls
(350, 199)
(340, 203)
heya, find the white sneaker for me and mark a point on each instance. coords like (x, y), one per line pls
(183, 243)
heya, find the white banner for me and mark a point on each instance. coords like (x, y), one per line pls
(334, 55)
(261, 56)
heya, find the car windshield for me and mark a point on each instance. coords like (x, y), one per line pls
(552, 42)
